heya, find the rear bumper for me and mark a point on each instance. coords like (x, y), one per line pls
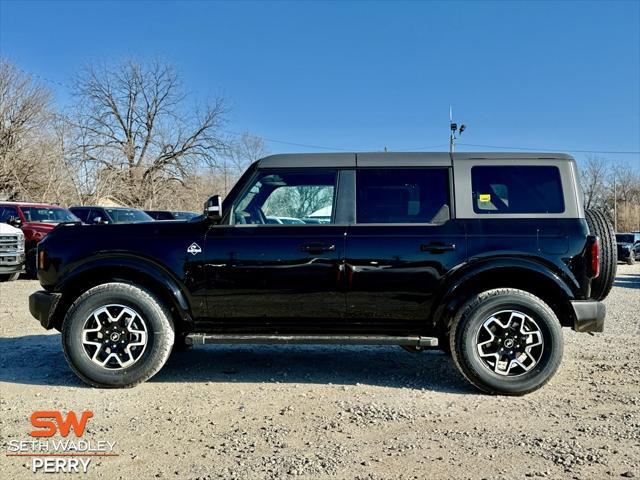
(589, 315)
(42, 305)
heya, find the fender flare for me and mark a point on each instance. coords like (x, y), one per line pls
(466, 273)
(119, 264)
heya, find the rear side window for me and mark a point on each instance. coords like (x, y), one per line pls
(516, 189)
(402, 195)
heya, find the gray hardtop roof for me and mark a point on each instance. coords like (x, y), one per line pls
(371, 159)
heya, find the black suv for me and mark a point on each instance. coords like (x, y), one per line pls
(170, 215)
(483, 255)
(628, 247)
(106, 215)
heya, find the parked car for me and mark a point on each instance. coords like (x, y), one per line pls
(171, 215)
(11, 252)
(628, 247)
(106, 215)
(35, 220)
(484, 255)
(284, 220)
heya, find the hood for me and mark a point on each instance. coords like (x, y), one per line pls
(41, 226)
(7, 229)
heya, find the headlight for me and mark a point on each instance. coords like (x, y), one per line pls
(21, 242)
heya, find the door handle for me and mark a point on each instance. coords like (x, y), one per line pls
(436, 247)
(317, 247)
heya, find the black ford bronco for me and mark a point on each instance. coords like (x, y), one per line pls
(484, 255)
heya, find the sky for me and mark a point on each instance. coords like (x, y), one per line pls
(363, 76)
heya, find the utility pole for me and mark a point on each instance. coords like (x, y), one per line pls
(615, 203)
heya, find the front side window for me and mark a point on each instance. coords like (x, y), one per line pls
(287, 198)
(516, 189)
(416, 195)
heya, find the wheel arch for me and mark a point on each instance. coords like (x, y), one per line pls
(127, 270)
(488, 275)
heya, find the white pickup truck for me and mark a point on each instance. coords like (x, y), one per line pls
(11, 252)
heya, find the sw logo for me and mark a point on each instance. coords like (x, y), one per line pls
(48, 423)
(194, 249)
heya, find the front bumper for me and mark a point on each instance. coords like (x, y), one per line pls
(589, 315)
(11, 262)
(42, 306)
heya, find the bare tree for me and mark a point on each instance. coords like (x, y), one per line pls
(133, 126)
(241, 153)
(30, 156)
(593, 179)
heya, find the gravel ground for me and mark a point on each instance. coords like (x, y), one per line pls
(262, 412)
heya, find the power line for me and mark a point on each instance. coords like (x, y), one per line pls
(40, 77)
(550, 149)
(342, 149)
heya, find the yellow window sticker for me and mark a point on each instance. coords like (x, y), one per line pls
(485, 197)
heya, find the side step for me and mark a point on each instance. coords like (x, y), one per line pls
(266, 339)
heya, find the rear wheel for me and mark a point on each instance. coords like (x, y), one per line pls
(632, 259)
(599, 225)
(506, 341)
(117, 335)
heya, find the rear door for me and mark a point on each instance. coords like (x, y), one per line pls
(403, 242)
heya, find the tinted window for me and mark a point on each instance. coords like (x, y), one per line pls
(402, 195)
(287, 198)
(7, 212)
(160, 215)
(81, 213)
(625, 238)
(516, 189)
(127, 215)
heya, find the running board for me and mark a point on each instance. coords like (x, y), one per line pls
(412, 341)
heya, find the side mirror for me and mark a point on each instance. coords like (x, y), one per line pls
(15, 222)
(213, 208)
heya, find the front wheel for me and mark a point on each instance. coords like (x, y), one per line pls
(117, 335)
(506, 341)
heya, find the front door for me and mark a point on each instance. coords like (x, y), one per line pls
(278, 266)
(402, 244)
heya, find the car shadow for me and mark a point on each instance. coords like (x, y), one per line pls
(631, 280)
(38, 360)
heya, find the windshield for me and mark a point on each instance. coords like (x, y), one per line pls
(48, 215)
(624, 238)
(127, 215)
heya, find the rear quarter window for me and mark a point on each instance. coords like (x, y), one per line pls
(516, 189)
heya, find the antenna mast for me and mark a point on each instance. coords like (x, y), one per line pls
(453, 129)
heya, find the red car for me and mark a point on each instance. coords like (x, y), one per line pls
(36, 220)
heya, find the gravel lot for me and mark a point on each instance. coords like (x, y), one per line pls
(337, 412)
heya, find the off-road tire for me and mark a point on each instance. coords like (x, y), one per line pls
(632, 259)
(599, 225)
(159, 339)
(464, 350)
(9, 277)
(30, 264)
